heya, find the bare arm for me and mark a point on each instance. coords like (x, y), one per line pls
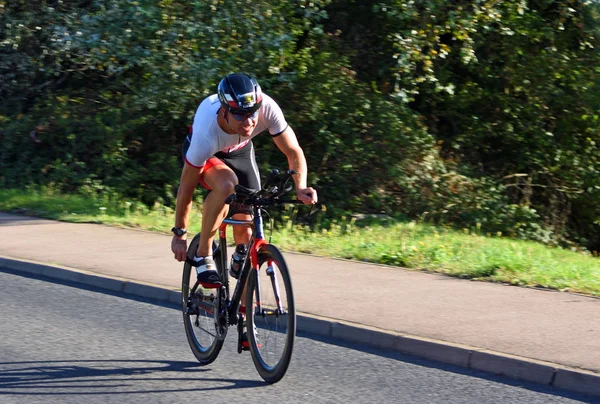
(187, 185)
(288, 144)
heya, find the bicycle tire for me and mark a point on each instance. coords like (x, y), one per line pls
(205, 352)
(272, 345)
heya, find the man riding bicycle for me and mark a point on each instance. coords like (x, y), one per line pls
(219, 154)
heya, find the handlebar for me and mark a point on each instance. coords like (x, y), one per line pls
(275, 187)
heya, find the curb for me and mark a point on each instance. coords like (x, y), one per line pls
(514, 367)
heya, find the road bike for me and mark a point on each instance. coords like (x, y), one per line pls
(270, 319)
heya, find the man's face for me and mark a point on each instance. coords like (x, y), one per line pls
(244, 124)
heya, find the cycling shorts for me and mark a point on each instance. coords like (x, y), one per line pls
(242, 162)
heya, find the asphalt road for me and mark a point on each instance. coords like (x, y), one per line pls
(65, 344)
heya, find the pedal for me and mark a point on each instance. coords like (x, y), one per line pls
(209, 298)
(241, 346)
(192, 310)
(240, 328)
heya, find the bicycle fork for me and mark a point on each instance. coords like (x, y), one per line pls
(271, 273)
(273, 276)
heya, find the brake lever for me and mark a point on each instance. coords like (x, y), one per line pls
(271, 177)
(284, 186)
(317, 210)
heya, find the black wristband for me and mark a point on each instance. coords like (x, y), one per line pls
(178, 231)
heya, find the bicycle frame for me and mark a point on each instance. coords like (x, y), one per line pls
(257, 240)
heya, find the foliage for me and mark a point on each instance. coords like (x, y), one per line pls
(508, 89)
(479, 114)
(104, 91)
(354, 138)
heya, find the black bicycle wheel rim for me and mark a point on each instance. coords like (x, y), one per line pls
(271, 367)
(205, 349)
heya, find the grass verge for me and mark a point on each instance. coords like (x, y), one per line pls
(465, 254)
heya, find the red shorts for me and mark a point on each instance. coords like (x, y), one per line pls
(210, 163)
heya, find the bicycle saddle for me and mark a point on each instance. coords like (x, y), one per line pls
(243, 191)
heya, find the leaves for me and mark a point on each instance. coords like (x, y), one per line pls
(478, 113)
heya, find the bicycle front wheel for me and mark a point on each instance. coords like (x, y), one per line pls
(271, 315)
(200, 312)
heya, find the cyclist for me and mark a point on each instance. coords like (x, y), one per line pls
(219, 154)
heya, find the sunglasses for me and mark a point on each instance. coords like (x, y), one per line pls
(243, 117)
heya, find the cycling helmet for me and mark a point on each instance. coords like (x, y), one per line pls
(239, 94)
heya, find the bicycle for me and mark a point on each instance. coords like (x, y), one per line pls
(270, 309)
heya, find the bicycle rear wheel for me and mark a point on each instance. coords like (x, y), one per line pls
(200, 312)
(271, 315)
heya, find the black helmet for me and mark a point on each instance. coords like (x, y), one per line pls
(239, 94)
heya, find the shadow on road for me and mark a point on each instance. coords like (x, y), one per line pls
(91, 377)
(16, 219)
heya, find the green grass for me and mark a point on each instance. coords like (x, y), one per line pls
(463, 254)
(83, 209)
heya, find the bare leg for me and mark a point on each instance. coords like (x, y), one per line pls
(242, 234)
(222, 182)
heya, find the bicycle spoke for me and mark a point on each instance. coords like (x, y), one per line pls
(199, 311)
(274, 320)
(206, 331)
